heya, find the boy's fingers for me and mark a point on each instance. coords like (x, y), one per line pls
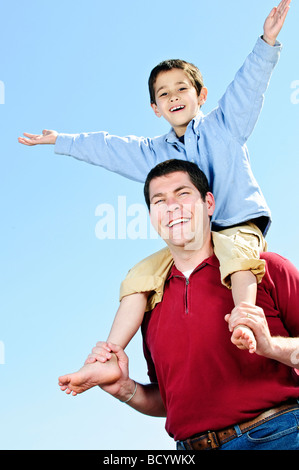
(33, 136)
(30, 135)
(26, 141)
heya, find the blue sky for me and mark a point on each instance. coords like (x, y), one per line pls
(77, 66)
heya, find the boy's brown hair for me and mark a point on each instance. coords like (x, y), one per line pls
(192, 72)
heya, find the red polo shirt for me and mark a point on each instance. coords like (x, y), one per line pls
(206, 382)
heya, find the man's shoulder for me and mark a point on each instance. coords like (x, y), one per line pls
(271, 257)
(277, 263)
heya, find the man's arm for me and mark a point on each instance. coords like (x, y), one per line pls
(281, 349)
(240, 106)
(145, 398)
(282, 284)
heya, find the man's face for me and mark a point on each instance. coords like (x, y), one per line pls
(177, 211)
(176, 99)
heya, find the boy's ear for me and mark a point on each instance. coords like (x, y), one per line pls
(156, 110)
(203, 96)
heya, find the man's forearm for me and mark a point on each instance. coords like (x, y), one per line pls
(285, 350)
(147, 398)
(143, 398)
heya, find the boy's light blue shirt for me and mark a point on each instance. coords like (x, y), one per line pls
(216, 142)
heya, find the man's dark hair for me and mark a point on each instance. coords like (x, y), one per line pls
(197, 177)
(192, 72)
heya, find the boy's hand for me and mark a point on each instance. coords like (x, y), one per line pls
(47, 137)
(275, 21)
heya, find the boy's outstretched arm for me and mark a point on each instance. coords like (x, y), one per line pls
(274, 22)
(241, 104)
(46, 137)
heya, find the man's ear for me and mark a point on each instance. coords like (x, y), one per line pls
(210, 201)
(156, 110)
(203, 96)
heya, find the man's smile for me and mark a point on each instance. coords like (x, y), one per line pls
(181, 220)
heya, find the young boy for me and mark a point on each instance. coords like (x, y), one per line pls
(216, 142)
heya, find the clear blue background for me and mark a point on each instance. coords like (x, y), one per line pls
(77, 66)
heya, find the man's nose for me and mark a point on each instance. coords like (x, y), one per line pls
(172, 205)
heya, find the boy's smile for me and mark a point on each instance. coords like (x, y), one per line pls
(177, 99)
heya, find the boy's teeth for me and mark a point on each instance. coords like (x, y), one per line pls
(176, 108)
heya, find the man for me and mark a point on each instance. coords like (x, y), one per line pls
(212, 394)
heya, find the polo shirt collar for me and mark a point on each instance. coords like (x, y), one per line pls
(211, 261)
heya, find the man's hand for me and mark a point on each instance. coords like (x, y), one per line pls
(147, 397)
(123, 387)
(47, 137)
(283, 349)
(275, 21)
(254, 318)
(101, 352)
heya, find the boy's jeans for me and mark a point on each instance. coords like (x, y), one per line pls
(281, 433)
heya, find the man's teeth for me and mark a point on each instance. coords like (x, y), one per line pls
(178, 221)
(177, 108)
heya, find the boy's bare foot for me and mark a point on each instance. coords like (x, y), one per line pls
(243, 338)
(90, 375)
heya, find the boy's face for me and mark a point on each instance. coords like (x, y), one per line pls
(176, 99)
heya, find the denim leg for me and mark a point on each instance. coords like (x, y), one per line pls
(180, 445)
(281, 433)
